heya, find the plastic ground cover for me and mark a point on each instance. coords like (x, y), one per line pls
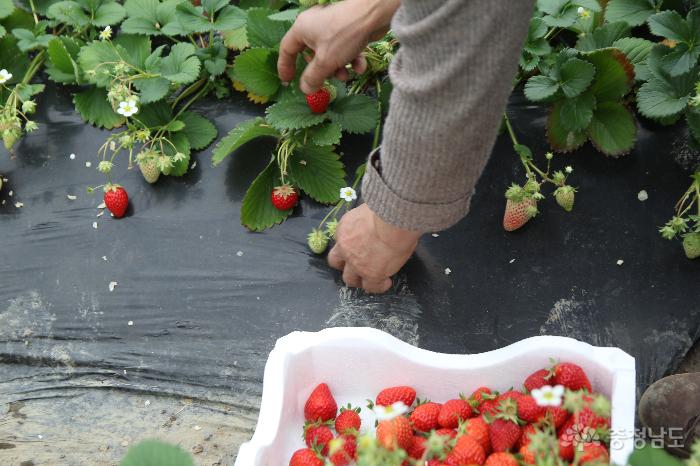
(207, 299)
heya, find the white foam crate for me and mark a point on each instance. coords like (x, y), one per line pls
(358, 362)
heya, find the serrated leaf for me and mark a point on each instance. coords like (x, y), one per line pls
(137, 48)
(28, 41)
(559, 13)
(633, 12)
(192, 18)
(603, 36)
(327, 134)
(93, 107)
(97, 60)
(236, 39)
(680, 60)
(107, 14)
(152, 89)
(156, 453)
(293, 114)
(198, 130)
(670, 25)
(539, 88)
(576, 76)
(156, 115)
(152, 17)
(68, 12)
(241, 134)
(61, 65)
(181, 66)
(318, 171)
(636, 50)
(263, 31)
(613, 130)
(257, 70)
(6, 8)
(285, 15)
(657, 98)
(27, 91)
(614, 74)
(231, 17)
(182, 145)
(576, 113)
(561, 139)
(257, 211)
(355, 113)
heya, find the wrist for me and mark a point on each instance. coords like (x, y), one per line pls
(393, 236)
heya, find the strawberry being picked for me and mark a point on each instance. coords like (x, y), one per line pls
(321, 405)
(318, 101)
(284, 197)
(116, 199)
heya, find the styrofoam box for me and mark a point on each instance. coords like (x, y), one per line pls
(358, 362)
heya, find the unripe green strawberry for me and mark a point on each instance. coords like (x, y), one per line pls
(691, 245)
(532, 187)
(149, 170)
(331, 227)
(332, 91)
(318, 241)
(9, 137)
(565, 197)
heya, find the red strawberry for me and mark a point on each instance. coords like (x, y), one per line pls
(434, 463)
(318, 101)
(466, 451)
(348, 421)
(417, 449)
(320, 405)
(477, 429)
(501, 459)
(528, 457)
(528, 409)
(284, 197)
(343, 450)
(391, 395)
(593, 453)
(537, 379)
(510, 395)
(479, 395)
(557, 415)
(318, 435)
(516, 214)
(451, 433)
(454, 411)
(566, 448)
(425, 417)
(571, 376)
(504, 430)
(489, 407)
(395, 433)
(305, 457)
(524, 441)
(116, 199)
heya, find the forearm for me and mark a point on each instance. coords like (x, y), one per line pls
(452, 77)
(379, 15)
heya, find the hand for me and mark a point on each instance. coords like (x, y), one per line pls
(337, 34)
(369, 251)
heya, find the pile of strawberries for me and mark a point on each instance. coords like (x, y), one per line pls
(485, 428)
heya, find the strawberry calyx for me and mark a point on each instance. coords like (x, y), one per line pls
(508, 411)
(350, 408)
(111, 187)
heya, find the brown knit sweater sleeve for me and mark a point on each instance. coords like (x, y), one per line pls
(452, 76)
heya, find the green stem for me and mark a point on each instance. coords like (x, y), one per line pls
(36, 18)
(189, 90)
(34, 66)
(514, 140)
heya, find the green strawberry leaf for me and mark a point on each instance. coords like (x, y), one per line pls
(152, 89)
(93, 107)
(540, 88)
(152, 17)
(28, 41)
(97, 60)
(182, 145)
(242, 133)
(326, 134)
(236, 39)
(70, 13)
(61, 64)
(613, 130)
(263, 31)
(199, 130)
(658, 98)
(6, 8)
(156, 115)
(576, 76)
(13, 59)
(192, 18)
(257, 211)
(614, 74)
(181, 66)
(292, 114)
(633, 12)
(257, 69)
(636, 50)
(108, 13)
(318, 171)
(603, 36)
(577, 112)
(355, 113)
(670, 25)
(137, 48)
(286, 15)
(156, 453)
(231, 17)
(561, 139)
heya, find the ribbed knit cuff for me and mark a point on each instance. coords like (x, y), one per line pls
(402, 213)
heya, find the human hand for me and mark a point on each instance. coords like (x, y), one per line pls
(369, 251)
(337, 34)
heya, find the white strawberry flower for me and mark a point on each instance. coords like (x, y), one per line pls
(548, 395)
(386, 413)
(348, 194)
(106, 33)
(127, 108)
(583, 13)
(5, 76)
(569, 169)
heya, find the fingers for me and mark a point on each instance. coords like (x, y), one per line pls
(376, 286)
(351, 277)
(292, 44)
(359, 64)
(316, 72)
(335, 258)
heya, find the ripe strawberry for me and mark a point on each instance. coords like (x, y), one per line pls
(479, 395)
(587, 418)
(524, 441)
(557, 415)
(434, 463)
(417, 449)
(391, 395)
(116, 199)
(451, 433)
(501, 459)
(318, 435)
(454, 411)
(425, 417)
(284, 197)
(318, 101)
(528, 457)
(571, 376)
(466, 451)
(565, 197)
(343, 450)
(149, 170)
(566, 447)
(528, 409)
(518, 214)
(395, 433)
(691, 245)
(504, 430)
(537, 379)
(320, 405)
(348, 421)
(305, 457)
(489, 407)
(594, 453)
(477, 429)
(510, 395)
